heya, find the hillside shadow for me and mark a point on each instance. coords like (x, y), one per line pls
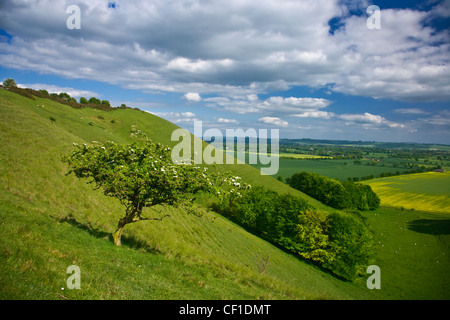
(429, 226)
(86, 227)
(127, 241)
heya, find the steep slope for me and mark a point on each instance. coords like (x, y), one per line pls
(51, 221)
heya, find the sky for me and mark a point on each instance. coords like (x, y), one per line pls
(320, 69)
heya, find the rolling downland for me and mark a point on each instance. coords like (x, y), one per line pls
(50, 221)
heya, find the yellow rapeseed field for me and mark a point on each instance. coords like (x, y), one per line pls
(428, 191)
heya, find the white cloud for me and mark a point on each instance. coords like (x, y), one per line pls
(272, 105)
(366, 117)
(192, 96)
(315, 114)
(274, 121)
(177, 117)
(224, 47)
(222, 120)
(368, 121)
(76, 93)
(410, 111)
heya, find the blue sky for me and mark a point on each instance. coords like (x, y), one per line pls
(312, 69)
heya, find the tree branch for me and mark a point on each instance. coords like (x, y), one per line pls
(156, 219)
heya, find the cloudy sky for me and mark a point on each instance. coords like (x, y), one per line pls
(329, 69)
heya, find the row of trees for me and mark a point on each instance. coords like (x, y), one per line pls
(62, 97)
(339, 242)
(336, 194)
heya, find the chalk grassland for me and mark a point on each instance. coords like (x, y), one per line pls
(428, 191)
(49, 221)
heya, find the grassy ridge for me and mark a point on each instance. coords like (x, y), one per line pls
(50, 221)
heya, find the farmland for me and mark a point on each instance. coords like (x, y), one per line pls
(428, 192)
(345, 160)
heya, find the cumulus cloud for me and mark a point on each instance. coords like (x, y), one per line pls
(249, 47)
(192, 96)
(76, 93)
(274, 121)
(316, 114)
(252, 104)
(177, 117)
(369, 120)
(223, 120)
(366, 117)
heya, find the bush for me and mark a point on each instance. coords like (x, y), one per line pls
(350, 241)
(94, 100)
(339, 242)
(83, 100)
(9, 83)
(336, 194)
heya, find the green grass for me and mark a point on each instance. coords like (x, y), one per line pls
(49, 221)
(338, 169)
(413, 253)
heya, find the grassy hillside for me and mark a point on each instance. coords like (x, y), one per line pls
(50, 221)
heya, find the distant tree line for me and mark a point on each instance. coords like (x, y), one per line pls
(392, 174)
(339, 242)
(336, 194)
(62, 97)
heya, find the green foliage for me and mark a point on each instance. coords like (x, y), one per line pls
(8, 83)
(83, 100)
(327, 190)
(339, 242)
(350, 241)
(313, 239)
(65, 97)
(94, 100)
(140, 176)
(106, 102)
(336, 194)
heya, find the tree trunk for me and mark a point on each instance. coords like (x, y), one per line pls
(117, 236)
(129, 218)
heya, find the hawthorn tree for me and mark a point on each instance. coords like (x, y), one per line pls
(8, 83)
(140, 176)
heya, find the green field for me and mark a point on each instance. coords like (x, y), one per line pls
(422, 191)
(49, 221)
(338, 169)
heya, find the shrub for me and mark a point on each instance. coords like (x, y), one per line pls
(339, 242)
(94, 100)
(350, 241)
(9, 83)
(336, 194)
(83, 100)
